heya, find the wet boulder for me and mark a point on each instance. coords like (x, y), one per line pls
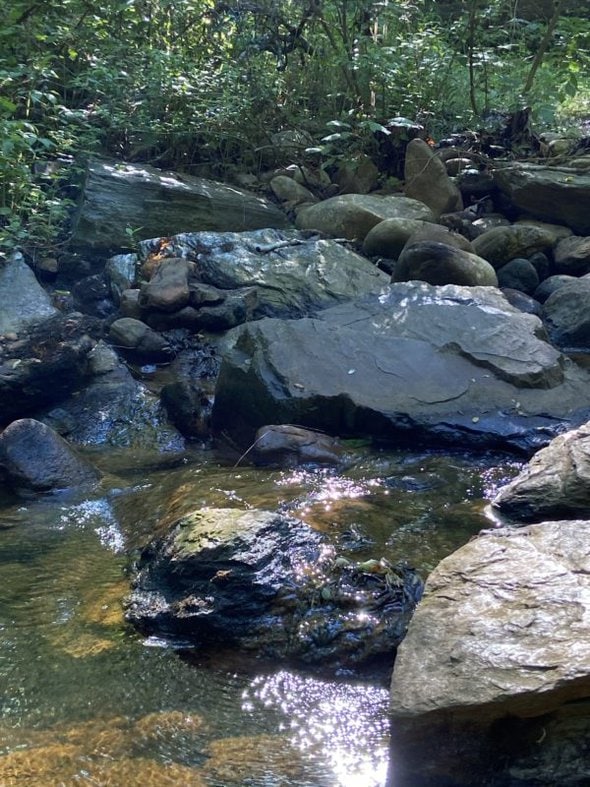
(34, 458)
(45, 364)
(444, 365)
(496, 657)
(554, 484)
(113, 409)
(271, 585)
(139, 341)
(188, 408)
(234, 277)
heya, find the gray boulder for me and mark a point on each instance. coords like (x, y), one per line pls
(117, 196)
(440, 263)
(566, 315)
(554, 484)
(446, 364)
(34, 458)
(437, 233)
(500, 640)
(427, 179)
(548, 194)
(289, 190)
(269, 584)
(352, 216)
(551, 285)
(23, 302)
(356, 175)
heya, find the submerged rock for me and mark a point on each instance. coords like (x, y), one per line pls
(422, 363)
(269, 584)
(500, 641)
(289, 445)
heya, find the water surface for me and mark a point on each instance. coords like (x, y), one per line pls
(86, 701)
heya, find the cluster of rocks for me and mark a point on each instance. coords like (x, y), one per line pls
(439, 316)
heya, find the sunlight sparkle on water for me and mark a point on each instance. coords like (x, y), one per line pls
(345, 724)
(323, 487)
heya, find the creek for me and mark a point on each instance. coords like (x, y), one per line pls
(87, 701)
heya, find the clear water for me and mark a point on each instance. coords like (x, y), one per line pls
(84, 700)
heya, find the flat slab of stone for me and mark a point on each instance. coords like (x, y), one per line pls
(448, 364)
(151, 202)
(555, 195)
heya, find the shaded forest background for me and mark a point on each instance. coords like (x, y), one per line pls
(202, 86)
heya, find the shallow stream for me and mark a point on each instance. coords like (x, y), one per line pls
(86, 701)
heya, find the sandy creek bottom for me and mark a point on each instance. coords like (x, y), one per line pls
(84, 700)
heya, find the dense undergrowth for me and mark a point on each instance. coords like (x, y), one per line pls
(202, 85)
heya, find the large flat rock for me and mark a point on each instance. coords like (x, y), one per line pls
(118, 197)
(556, 195)
(450, 364)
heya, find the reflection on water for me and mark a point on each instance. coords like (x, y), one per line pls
(84, 702)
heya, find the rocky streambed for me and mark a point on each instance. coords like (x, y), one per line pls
(252, 439)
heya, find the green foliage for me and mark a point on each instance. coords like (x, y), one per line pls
(201, 85)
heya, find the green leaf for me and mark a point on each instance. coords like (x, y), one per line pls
(337, 124)
(337, 137)
(7, 105)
